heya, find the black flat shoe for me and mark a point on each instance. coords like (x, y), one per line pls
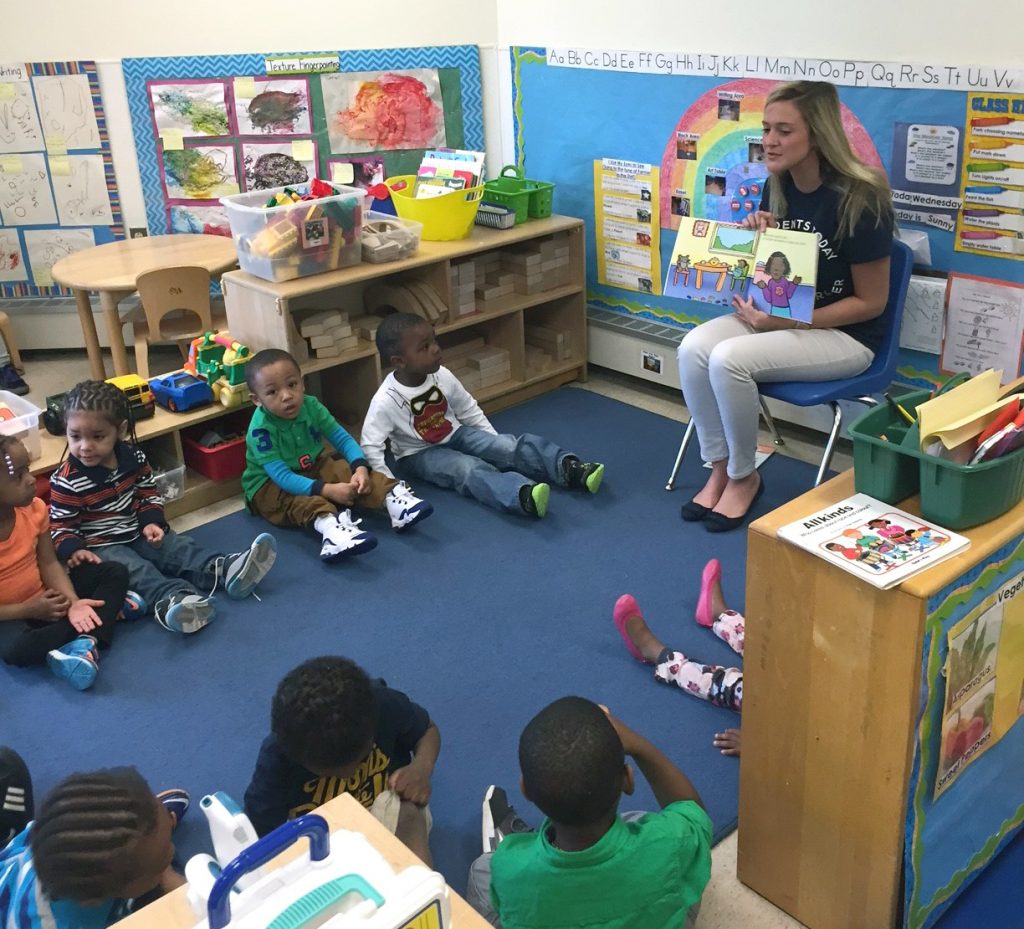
(718, 522)
(694, 512)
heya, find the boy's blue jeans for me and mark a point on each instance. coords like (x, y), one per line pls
(490, 468)
(178, 565)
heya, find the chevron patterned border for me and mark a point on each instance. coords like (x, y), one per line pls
(137, 71)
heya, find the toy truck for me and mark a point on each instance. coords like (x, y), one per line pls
(220, 361)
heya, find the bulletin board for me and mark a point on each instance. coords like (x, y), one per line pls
(58, 193)
(699, 117)
(210, 126)
(966, 799)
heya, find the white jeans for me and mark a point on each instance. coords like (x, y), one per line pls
(722, 361)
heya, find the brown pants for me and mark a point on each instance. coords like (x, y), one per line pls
(284, 509)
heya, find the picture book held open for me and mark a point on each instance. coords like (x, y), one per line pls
(713, 262)
(873, 540)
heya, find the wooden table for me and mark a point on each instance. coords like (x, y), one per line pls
(837, 674)
(702, 268)
(111, 270)
(343, 812)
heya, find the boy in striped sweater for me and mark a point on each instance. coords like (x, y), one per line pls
(105, 506)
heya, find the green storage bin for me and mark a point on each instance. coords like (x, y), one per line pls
(530, 199)
(886, 469)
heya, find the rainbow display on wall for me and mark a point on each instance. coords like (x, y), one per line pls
(712, 165)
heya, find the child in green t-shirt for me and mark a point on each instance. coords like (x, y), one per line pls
(291, 480)
(587, 865)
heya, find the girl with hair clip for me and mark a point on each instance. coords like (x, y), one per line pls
(105, 507)
(818, 185)
(66, 616)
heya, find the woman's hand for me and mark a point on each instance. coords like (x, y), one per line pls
(759, 220)
(750, 314)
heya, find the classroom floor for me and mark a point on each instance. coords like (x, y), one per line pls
(726, 903)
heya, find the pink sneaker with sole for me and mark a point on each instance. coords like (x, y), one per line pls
(625, 607)
(711, 575)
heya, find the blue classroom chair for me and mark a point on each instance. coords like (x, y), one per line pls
(875, 379)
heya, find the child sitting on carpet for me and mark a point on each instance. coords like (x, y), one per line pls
(719, 686)
(587, 865)
(99, 848)
(334, 731)
(441, 435)
(291, 480)
(66, 616)
(104, 499)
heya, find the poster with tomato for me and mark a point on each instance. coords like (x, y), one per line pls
(966, 734)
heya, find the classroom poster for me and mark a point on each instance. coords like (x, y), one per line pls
(626, 225)
(984, 675)
(984, 326)
(57, 188)
(991, 221)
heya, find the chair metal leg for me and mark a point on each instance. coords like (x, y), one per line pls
(766, 413)
(671, 483)
(826, 458)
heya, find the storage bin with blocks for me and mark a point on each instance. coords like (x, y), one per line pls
(328, 333)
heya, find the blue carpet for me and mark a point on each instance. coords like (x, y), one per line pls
(482, 617)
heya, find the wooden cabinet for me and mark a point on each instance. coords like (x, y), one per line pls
(262, 314)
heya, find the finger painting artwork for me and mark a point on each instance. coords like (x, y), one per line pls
(277, 164)
(81, 194)
(47, 246)
(383, 111)
(25, 198)
(203, 172)
(66, 109)
(204, 220)
(19, 124)
(194, 108)
(279, 107)
(12, 262)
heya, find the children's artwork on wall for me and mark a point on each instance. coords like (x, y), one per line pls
(47, 246)
(25, 197)
(277, 124)
(272, 106)
(19, 123)
(12, 261)
(363, 172)
(81, 194)
(55, 171)
(269, 164)
(390, 110)
(201, 220)
(200, 172)
(193, 108)
(66, 111)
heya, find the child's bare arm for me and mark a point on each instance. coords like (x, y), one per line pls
(50, 569)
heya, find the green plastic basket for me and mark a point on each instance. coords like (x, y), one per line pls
(886, 469)
(530, 199)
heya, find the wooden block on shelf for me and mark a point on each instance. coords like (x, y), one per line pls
(365, 326)
(493, 376)
(328, 351)
(347, 343)
(487, 292)
(321, 341)
(340, 332)
(319, 323)
(463, 348)
(488, 357)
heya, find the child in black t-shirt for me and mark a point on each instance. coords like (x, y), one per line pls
(334, 731)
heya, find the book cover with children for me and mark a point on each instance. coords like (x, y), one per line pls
(712, 262)
(873, 540)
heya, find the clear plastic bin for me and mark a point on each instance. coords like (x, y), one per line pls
(24, 424)
(170, 482)
(280, 243)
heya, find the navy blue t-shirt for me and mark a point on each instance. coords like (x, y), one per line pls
(282, 789)
(818, 212)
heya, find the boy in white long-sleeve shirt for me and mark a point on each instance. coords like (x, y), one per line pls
(440, 434)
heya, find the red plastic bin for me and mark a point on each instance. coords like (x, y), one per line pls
(225, 461)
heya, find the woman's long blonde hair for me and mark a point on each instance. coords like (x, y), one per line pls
(862, 188)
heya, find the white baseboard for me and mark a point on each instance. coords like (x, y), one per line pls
(43, 325)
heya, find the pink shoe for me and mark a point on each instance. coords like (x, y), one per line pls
(712, 575)
(625, 607)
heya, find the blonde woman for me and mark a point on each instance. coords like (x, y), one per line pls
(818, 185)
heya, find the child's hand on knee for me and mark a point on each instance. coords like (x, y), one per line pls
(83, 556)
(50, 604)
(411, 783)
(342, 494)
(153, 534)
(361, 481)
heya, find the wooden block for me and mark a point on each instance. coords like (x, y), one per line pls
(489, 357)
(319, 323)
(340, 332)
(488, 292)
(347, 343)
(321, 341)
(493, 376)
(328, 351)
(460, 350)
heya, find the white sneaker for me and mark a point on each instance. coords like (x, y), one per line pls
(184, 612)
(405, 508)
(343, 537)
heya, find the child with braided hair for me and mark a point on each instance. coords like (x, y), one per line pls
(105, 507)
(66, 616)
(99, 848)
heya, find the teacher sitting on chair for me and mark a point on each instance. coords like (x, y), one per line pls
(818, 185)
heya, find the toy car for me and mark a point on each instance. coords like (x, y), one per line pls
(140, 397)
(180, 391)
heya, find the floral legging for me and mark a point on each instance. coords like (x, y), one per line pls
(719, 686)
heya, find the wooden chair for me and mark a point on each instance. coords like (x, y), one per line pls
(175, 308)
(12, 345)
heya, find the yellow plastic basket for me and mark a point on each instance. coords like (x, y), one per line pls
(445, 217)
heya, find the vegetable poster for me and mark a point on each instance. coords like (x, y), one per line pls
(984, 681)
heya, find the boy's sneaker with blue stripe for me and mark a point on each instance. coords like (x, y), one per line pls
(184, 612)
(405, 508)
(239, 574)
(134, 606)
(77, 662)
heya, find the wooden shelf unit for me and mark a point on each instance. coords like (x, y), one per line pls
(260, 316)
